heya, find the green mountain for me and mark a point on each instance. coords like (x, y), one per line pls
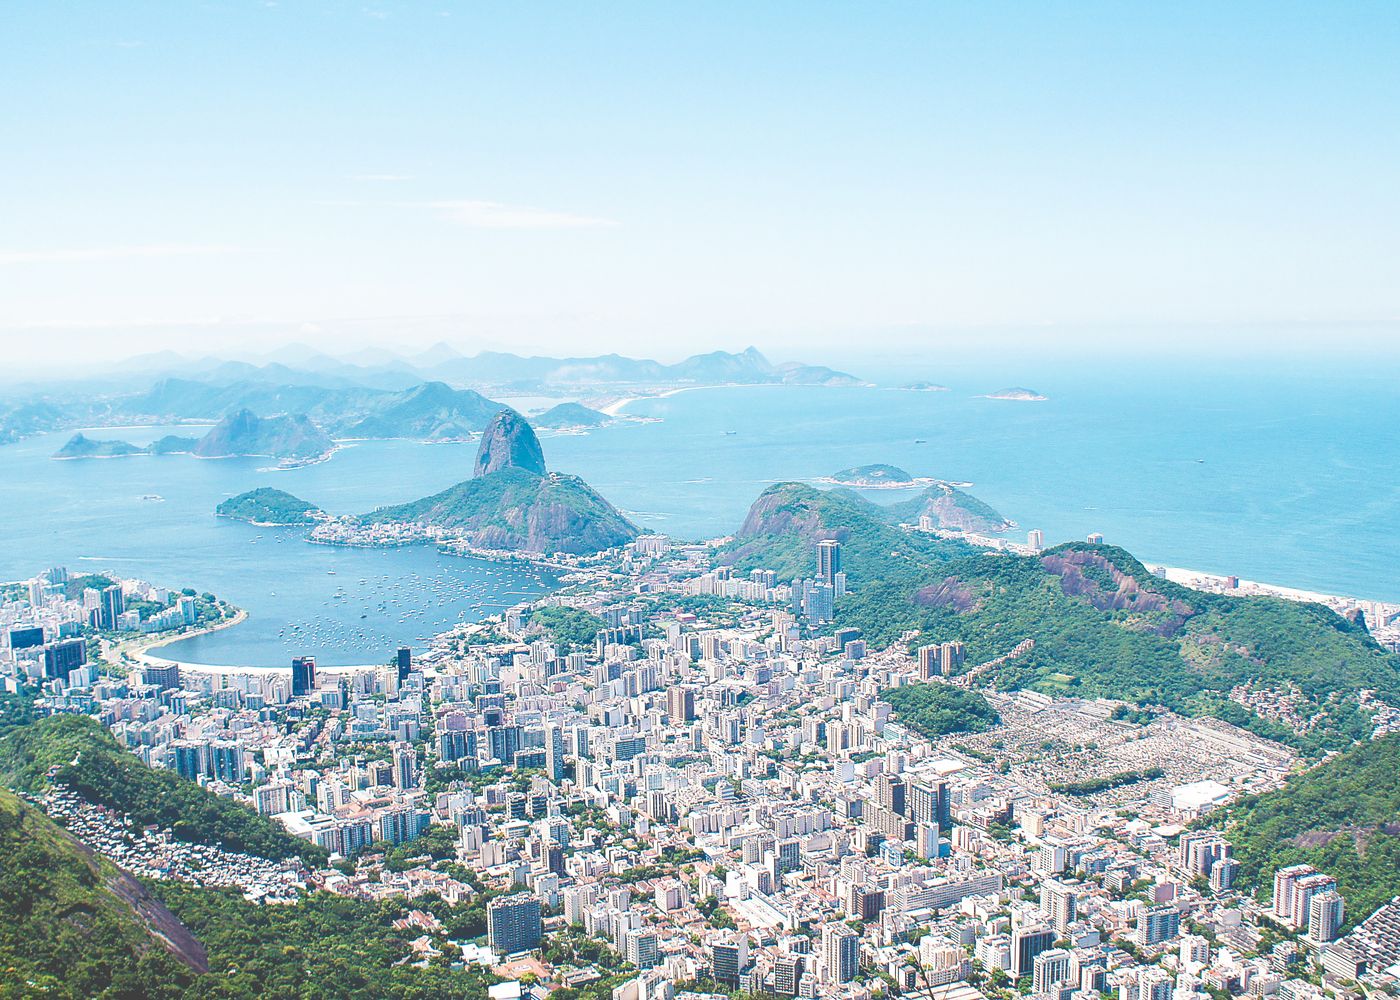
(433, 411)
(72, 924)
(1343, 817)
(77, 751)
(1102, 624)
(286, 437)
(268, 506)
(570, 415)
(80, 446)
(514, 503)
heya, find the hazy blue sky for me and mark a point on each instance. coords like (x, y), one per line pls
(657, 178)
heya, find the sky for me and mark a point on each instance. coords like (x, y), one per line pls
(664, 178)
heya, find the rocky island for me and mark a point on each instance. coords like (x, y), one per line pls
(1017, 393)
(292, 440)
(82, 446)
(512, 502)
(875, 477)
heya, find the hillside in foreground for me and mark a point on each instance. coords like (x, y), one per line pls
(72, 924)
(77, 751)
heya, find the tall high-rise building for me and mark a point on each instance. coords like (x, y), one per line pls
(1326, 910)
(828, 561)
(1161, 923)
(1026, 943)
(303, 676)
(840, 953)
(787, 975)
(680, 704)
(1035, 539)
(112, 605)
(514, 923)
(729, 959)
(404, 661)
(1051, 968)
(1059, 904)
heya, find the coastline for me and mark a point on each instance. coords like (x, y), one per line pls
(145, 657)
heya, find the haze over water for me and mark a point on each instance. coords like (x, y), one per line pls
(1285, 478)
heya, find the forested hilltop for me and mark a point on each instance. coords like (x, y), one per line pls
(1102, 625)
(1342, 817)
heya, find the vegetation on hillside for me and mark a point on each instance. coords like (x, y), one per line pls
(517, 509)
(266, 505)
(1103, 626)
(76, 751)
(1343, 817)
(325, 946)
(67, 924)
(933, 709)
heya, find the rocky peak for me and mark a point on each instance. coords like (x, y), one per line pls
(508, 442)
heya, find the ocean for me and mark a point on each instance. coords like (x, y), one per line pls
(1286, 477)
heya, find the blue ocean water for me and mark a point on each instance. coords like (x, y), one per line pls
(1288, 477)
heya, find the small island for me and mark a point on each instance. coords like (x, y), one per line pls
(1019, 394)
(875, 477)
(81, 446)
(268, 507)
(570, 416)
(924, 387)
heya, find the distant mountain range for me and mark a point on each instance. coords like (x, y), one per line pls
(430, 396)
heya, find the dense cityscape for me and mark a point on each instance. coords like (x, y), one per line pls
(674, 780)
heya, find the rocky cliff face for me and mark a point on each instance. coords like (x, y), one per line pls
(509, 443)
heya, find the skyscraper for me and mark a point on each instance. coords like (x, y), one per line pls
(404, 661)
(828, 561)
(840, 953)
(303, 676)
(514, 923)
(111, 607)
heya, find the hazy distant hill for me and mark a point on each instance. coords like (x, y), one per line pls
(79, 446)
(432, 411)
(283, 437)
(569, 415)
(513, 502)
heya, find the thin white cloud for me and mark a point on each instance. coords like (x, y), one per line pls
(381, 178)
(84, 254)
(494, 215)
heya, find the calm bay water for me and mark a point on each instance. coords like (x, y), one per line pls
(1289, 478)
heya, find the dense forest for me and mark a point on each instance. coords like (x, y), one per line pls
(1343, 817)
(1102, 624)
(935, 709)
